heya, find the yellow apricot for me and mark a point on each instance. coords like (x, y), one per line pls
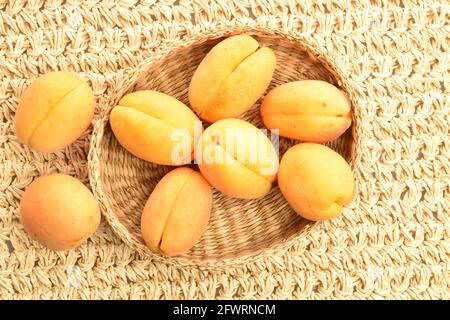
(177, 212)
(231, 78)
(59, 211)
(155, 127)
(54, 111)
(316, 181)
(307, 110)
(237, 159)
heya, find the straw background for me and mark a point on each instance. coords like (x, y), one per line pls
(391, 242)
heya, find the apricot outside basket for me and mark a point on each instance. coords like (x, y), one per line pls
(238, 229)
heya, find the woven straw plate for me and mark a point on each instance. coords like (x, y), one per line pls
(238, 228)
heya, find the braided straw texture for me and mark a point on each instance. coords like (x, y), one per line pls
(391, 57)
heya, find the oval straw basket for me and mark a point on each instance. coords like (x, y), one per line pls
(238, 229)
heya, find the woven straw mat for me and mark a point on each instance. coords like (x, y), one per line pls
(392, 57)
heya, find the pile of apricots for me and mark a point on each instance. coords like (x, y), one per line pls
(232, 155)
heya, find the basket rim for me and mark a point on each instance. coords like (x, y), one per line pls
(102, 118)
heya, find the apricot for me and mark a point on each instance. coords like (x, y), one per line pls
(59, 211)
(237, 159)
(155, 127)
(177, 212)
(316, 181)
(54, 111)
(231, 78)
(307, 110)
